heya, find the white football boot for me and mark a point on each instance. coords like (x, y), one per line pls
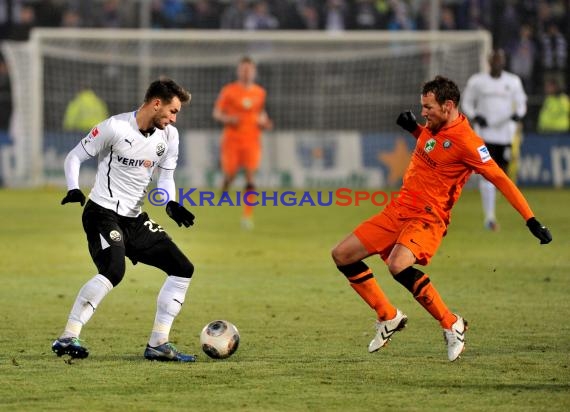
(385, 329)
(455, 338)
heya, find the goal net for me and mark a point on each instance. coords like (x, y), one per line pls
(322, 88)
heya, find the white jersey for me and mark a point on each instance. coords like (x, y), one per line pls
(495, 99)
(127, 160)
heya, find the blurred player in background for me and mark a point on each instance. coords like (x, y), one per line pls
(410, 229)
(495, 102)
(130, 146)
(240, 107)
(84, 110)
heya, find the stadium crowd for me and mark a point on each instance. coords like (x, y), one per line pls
(534, 33)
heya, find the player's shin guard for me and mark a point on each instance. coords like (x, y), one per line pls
(419, 284)
(363, 282)
(168, 306)
(88, 298)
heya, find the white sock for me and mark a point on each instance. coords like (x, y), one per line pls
(88, 298)
(488, 195)
(168, 305)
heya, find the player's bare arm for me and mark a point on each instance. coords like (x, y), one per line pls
(264, 122)
(224, 118)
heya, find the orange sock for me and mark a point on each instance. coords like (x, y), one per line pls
(430, 299)
(366, 286)
(247, 209)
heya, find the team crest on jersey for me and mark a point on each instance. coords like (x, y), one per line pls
(160, 148)
(247, 103)
(484, 153)
(430, 144)
(94, 132)
(115, 235)
(446, 144)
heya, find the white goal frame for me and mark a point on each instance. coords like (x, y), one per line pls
(27, 163)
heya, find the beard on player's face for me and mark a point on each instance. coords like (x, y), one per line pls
(434, 122)
(159, 121)
(166, 113)
(158, 125)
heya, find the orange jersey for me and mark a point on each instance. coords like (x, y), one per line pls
(441, 164)
(245, 103)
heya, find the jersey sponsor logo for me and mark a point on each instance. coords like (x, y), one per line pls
(432, 163)
(115, 235)
(446, 144)
(160, 148)
(430, 144)
(484, 153)
(135, 162)
(94, 132)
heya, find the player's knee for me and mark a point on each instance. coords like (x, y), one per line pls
(111, 264)
(183, 267)
(338, 256)
(188, 269)
(115, 271)
(397, 265)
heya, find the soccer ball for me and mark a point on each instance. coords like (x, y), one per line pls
(219, 339)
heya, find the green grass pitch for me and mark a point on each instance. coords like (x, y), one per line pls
(304, 332)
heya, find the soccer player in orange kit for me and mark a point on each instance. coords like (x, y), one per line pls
(240, 107)
(410, 229)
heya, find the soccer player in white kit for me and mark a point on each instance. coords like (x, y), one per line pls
(495, 102)
(130, 146)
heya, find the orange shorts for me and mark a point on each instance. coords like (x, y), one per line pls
(417, 229)
(237, 156)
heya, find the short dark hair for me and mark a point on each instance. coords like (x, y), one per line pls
(443, 89)
(166, 89)
(247, 59)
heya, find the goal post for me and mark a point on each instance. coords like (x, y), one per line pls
(318, 83)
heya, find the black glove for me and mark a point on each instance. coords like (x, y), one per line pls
(539, 230)
(516, 118)
(179, 214)
(480, 120)
(74, 196)
(407, 121)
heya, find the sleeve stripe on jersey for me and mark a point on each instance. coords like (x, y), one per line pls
(165, 168)
(109, 174)
(83, 146)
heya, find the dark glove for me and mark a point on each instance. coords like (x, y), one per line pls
(480, 120)
(407, 121)
(538, 230)
(516, 118)
(179, 214)
(74, 196)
